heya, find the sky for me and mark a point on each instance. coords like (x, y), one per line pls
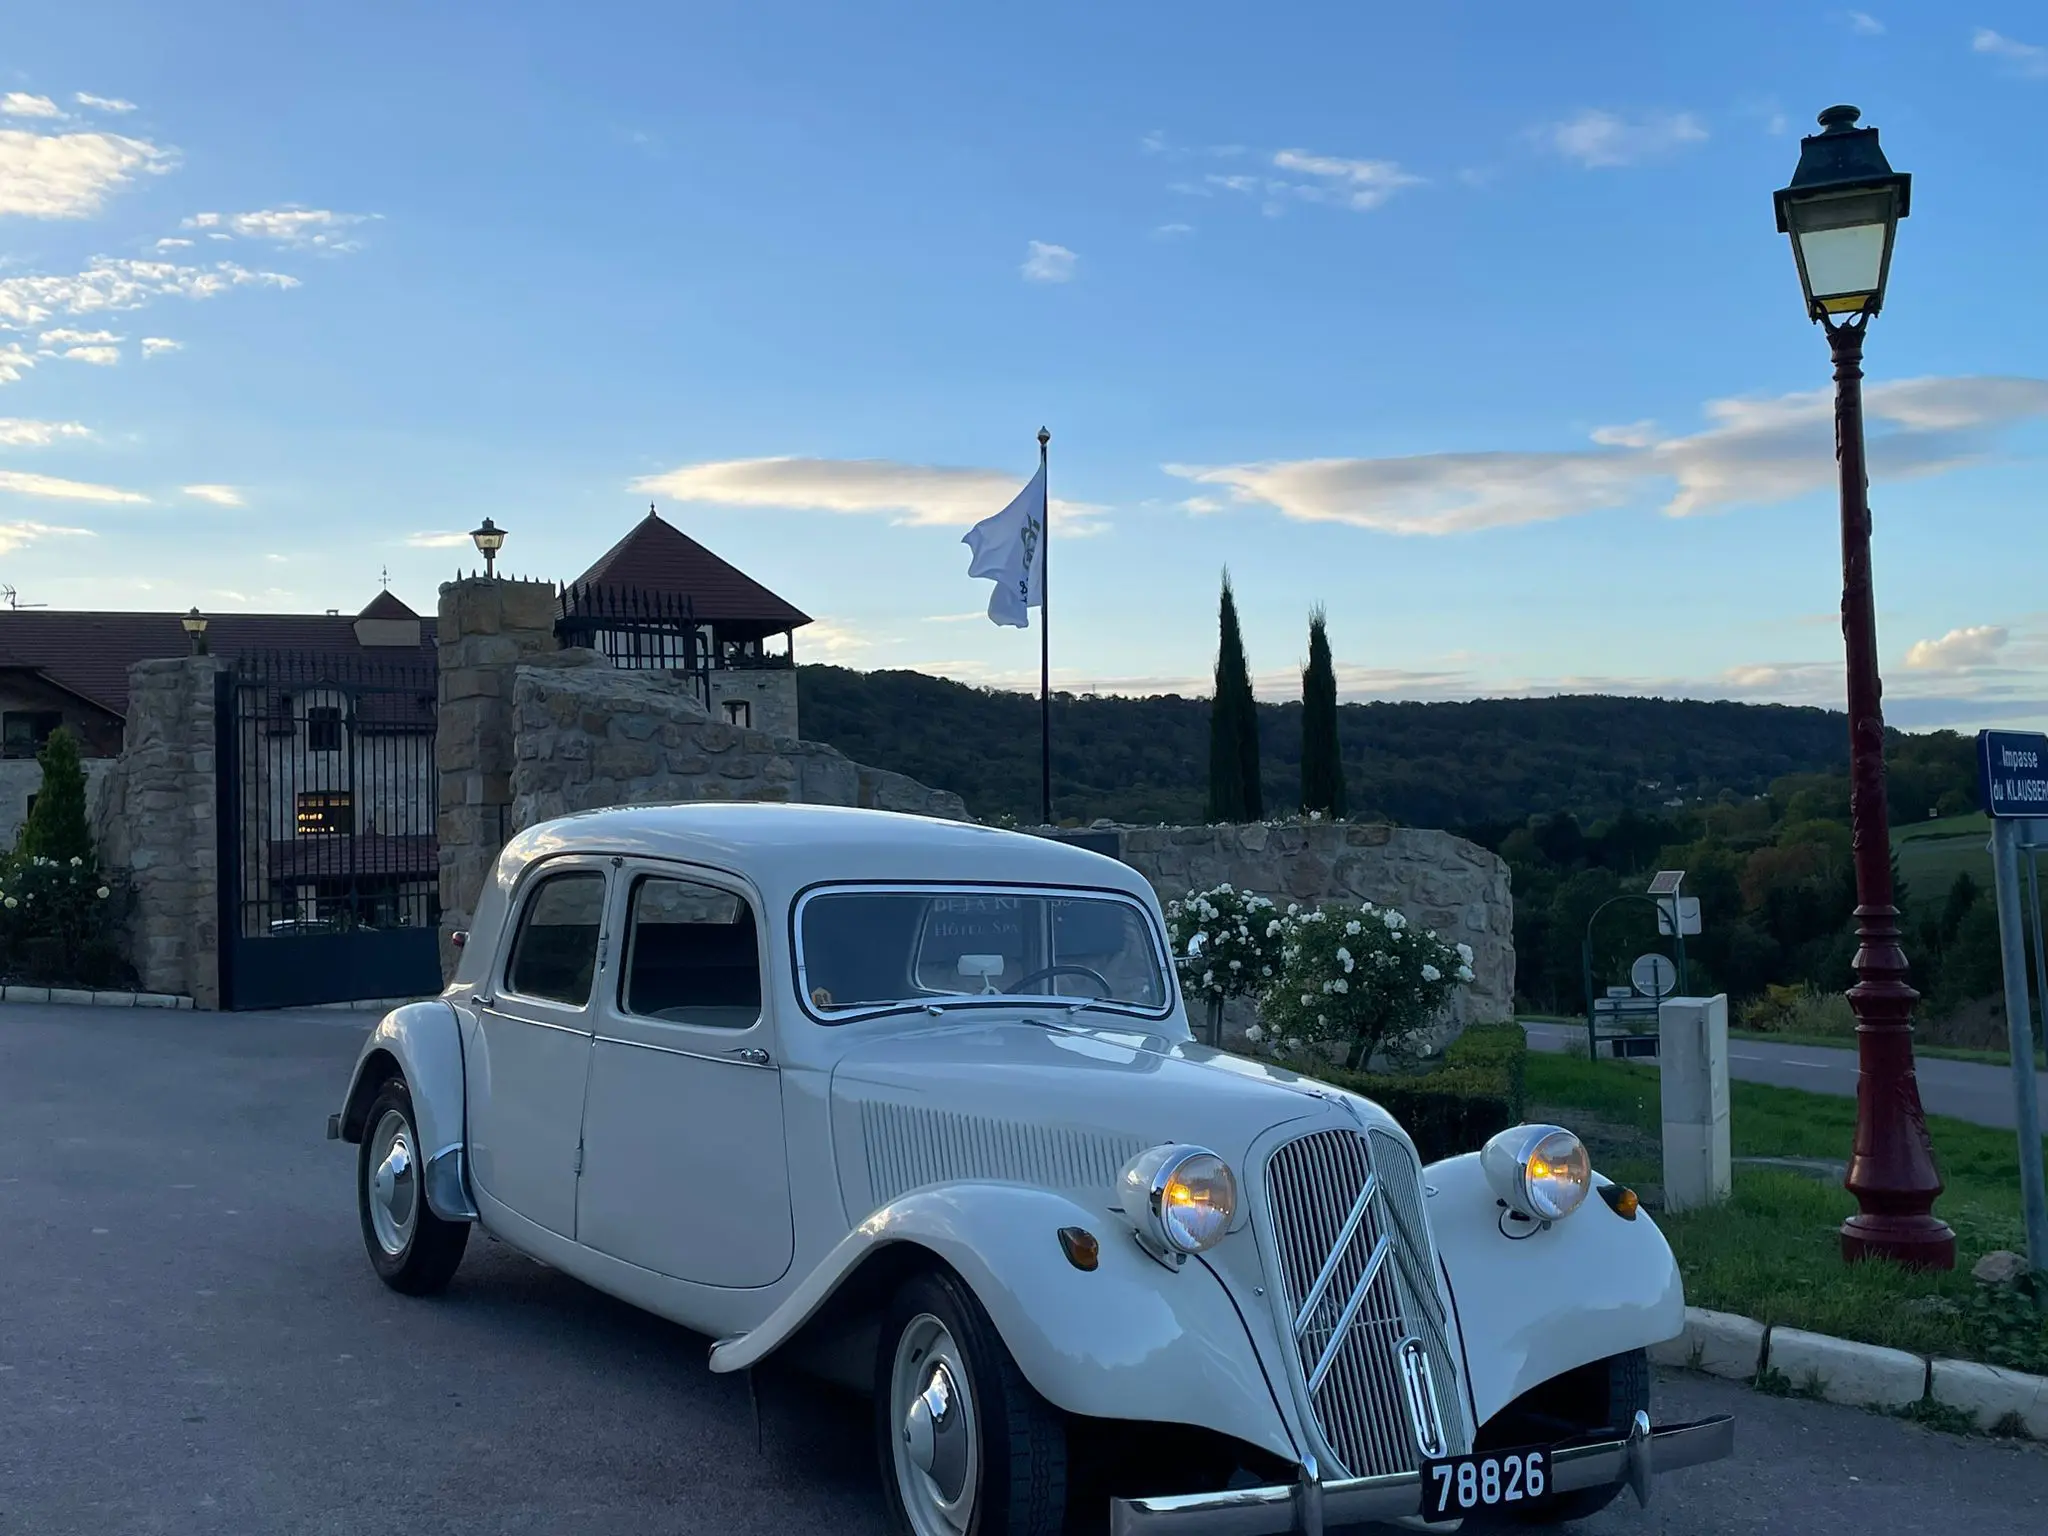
(1469, 322)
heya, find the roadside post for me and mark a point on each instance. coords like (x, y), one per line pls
(1693, 1056)
(2013, 776)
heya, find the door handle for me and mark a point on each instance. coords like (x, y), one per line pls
(753, 1055)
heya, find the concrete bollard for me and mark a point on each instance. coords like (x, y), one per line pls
(1693, 1047)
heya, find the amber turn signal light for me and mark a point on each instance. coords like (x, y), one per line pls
(1621, 1200)
(1082, 1250)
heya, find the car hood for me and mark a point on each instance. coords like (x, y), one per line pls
(1057, 1105)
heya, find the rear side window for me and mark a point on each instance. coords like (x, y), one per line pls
(554, 954)
(691, 955)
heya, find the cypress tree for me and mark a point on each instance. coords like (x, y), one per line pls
(1322, 765)
(1233, 725)
(56, 827)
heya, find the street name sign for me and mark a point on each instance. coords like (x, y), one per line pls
(2012, 772)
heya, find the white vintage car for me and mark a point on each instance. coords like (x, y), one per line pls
(915, 1104)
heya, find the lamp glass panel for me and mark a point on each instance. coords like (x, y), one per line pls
(1843, 263)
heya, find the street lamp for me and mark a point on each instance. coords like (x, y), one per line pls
(195, 630)
(1842, 211)
(490, 538)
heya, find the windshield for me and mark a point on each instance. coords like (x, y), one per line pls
(866, 949)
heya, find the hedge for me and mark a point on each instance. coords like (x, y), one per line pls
(1453, 1108)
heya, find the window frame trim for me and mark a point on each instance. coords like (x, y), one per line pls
(529, 887)
(631, 874)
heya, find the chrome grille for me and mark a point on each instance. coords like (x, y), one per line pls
(1355, 1266)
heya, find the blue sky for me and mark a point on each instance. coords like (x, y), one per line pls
(1468, 321)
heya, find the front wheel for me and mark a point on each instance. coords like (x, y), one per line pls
(967, 1447)
(411, 1248)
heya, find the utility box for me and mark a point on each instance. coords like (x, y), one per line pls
(1693, 1047)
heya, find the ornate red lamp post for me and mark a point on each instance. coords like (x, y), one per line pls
(1842, 211)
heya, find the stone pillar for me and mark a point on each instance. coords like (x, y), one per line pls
(158, 823)
(487, 627)
(1692, 1051)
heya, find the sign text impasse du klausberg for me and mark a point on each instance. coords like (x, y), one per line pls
(2012, 771)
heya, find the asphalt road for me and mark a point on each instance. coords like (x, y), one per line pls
(191, 1343)
(1964, 1090)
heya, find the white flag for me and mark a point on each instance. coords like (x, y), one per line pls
(1011, 547)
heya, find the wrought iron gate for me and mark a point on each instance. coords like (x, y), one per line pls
(329, 871)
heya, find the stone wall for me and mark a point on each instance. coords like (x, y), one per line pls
(156, 821)
(768, 695)
(1434, 879)
(589, 736)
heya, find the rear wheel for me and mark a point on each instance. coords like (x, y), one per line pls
(411, 1248)
(967, 1447)
(1596, 1400)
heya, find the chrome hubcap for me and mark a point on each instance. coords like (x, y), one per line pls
(938, 1448)
(393, 1192)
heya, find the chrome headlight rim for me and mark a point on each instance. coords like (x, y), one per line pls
(1541, 1172)
(1146, 1182)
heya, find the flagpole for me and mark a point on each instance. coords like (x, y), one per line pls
(1044, 639)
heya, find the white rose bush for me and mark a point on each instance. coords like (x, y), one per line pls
(1361, 979)
(1226, 943)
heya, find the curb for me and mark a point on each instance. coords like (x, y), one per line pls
(80, 997)
(1857, 1375)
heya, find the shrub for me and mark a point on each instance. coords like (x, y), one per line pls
(56, 827)
(1476, 1093)
(1225, 941)
(1360, 978)
(60, 922)
(1799, 1010)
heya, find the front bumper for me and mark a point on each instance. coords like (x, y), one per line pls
(1309, 1505)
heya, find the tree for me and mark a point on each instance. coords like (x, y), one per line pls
(56, 827)
(1233, 725)
(1322, 764)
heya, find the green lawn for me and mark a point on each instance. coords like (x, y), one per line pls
(1932, 853)
(1773, 1252)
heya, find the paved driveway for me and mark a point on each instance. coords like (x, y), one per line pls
(192, 1343)
(1964, 1090)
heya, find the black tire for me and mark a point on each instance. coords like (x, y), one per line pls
(1022, 1438)
(425, 1261)
(1598, 1399)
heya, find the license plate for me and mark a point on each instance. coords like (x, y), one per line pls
(1456, 1486)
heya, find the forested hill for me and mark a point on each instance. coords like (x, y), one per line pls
(1445, 765)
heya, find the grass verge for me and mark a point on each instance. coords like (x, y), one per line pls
(1773, 1251)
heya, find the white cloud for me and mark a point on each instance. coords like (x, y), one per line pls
(1755, 452)
(1045, 263)
(172, 243)
(312, 229)
(1863, 24)
(152, 345)
(14, 362)
(1361, 184)
(2029, 60)
(19, 432)
(437, 540)
(16, 535)
(1977, 646)
(1170, 231)
(219, 495)
(21, 483)
(70, 338)
(99, 357)
(921, 495)
(838, 641)
(1597, 139)
(68, 175)
(103, 103)
(22, 104)
(110, 283)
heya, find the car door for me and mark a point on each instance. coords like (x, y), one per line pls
(526, 1079)
(684, 1169)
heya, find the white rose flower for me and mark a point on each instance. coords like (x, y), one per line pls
(1464, 973)
(1254, 1033)
(76, 861)
(1208, 978)
(1237, 965)
(1465, 953)
(1354, 927)
(1265, 970)
(1307, 999)
(14, 901)
(1340, 986)
(104, 893)
(1431, 973)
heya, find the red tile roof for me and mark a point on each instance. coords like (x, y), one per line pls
(659, 557)
(90, 653)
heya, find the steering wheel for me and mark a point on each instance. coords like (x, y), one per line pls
(1046, 973)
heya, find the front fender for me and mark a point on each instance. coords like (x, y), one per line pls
(422, 1042)
(1533, 1307)
(1127, 1340)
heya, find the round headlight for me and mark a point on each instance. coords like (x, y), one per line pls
(1541, 1171)
(1182, 1198)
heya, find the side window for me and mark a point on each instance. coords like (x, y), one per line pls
(691, 955)
(554, 954)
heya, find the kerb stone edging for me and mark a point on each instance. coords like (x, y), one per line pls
(1856, 1375)
(80, 997)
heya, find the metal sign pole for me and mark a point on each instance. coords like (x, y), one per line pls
(2019, 1024)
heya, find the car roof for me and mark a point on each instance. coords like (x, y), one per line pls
(784, 848)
